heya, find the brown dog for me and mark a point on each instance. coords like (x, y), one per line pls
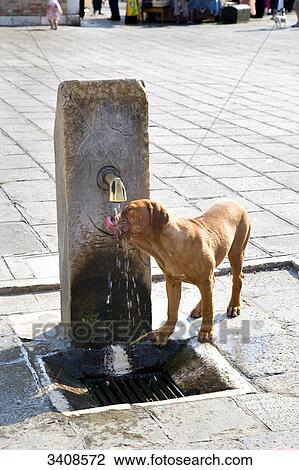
(188, 250)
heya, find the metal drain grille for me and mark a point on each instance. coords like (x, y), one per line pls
(147, 387)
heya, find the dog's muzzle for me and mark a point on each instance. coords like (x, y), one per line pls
(116, 226)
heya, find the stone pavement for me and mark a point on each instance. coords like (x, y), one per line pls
(267, 358)
(224, 121)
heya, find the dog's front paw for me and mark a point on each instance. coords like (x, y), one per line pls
(205, 334)
(233, 311)
(160, 337)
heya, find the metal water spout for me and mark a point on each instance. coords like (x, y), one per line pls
(109, 178)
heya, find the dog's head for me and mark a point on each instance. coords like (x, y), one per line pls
(142, 217)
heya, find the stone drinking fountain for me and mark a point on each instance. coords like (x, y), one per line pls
(102, 160)
(101, 155)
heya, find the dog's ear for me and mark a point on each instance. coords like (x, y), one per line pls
(159, 217)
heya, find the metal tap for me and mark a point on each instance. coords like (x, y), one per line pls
(117, 191)
(109, 178)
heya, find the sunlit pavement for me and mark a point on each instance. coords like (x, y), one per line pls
(224, 121)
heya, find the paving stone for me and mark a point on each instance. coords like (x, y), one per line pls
(156, 183)
(40, 212)
(266, 283)
(239, 152)
(252, 183)
(16, 162)
(11, 149)
(289, 212)
(163, 158)
(275, 149)
(186, 212)
(50, 168)
(266, 224)
(175, 169)
(18, 304)
(9, 213)
(48, 300)
(31, 191)
(253, 252)
(290, 180)
(264, 354)
(5, 328)
(276, 411)
(180, 149)
(42, 431)
(279, 245)
(268, 165)
(249, 206)
(39, 325)
(44, 266)
(18, 267)
(284, 384)
(231, 171)
(271, 440)
(5, 274)
(209, 419)
(272, 196)
(22, 174)
(10, 350)
(210, 159)
(16, 238)
(3, 197)
(248, 139)
(48, 234)
(195, 187)
(122, 429)
(168, 198)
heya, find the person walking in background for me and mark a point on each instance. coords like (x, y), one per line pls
(251, 3)
(296, 8)
(54, 11)
(115, 16)
(180, 5)
(97, 6)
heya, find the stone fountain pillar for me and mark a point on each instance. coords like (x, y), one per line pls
(105, 287)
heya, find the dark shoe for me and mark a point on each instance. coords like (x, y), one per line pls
(114, 19)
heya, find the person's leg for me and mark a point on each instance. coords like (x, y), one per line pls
(113, 4)
(296, 8)
(184, 6)
(176, 10)
(55, 21)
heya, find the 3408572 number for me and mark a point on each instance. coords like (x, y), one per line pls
(76, 459)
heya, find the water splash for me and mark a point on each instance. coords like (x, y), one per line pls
(122, 263)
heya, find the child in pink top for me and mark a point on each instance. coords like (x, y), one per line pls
(54, 11)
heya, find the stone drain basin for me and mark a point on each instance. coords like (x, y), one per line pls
(80, 381)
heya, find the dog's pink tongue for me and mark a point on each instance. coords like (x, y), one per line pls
(109, 223)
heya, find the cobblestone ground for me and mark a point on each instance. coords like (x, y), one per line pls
(224, 121)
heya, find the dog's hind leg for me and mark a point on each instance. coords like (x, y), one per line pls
(236, 258)
(196, 311)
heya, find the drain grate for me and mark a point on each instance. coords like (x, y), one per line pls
(137, 388)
